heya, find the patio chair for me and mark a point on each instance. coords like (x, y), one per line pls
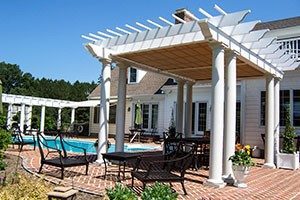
(61, 159)
(164, 170)
(18, 138)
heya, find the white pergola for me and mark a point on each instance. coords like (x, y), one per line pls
(26, 103)
(218, 48)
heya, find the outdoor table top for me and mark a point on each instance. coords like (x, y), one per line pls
(120, 156)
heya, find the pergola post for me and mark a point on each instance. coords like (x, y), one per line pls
(121, 108)
(22, 117)
(73, 116)
(188, 109)
(42, 125)
(179, 110)
(28, 116)
(230, 115)
(9, 116)
(104, 109)
(276, 116)
(269, 144)
(217, 118)
(58, 124)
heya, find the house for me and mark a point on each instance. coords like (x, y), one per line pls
(158, 93)
(219, 50)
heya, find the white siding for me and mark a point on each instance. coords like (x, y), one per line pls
(253, 129)
(200, 94)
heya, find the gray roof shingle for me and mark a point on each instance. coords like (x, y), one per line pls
(279, 24)
(149, 85)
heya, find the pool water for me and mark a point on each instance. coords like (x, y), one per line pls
(89, 146)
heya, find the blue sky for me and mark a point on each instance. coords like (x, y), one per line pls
(43, 37)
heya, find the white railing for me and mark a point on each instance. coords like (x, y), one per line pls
(292, 46)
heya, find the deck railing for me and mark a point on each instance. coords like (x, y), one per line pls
(292, 46)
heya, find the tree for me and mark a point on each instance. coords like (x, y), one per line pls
(15, 81)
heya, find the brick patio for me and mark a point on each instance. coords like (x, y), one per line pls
(262, 183)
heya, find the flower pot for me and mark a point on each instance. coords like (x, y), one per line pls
(240, 173)
(288, 161)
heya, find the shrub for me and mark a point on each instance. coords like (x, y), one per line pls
(159, 191)
(120, 192)
(5, 140)
(26, 188)
(288, 144)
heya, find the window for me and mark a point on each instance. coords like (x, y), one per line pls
(154, 119)
(145, 110)
(132, 75)
(112, 114)
(284, 101)
(199, 117)
(262, 107)
(296, 107)
(238, 117)
(150, 116)
(202, 116)
(96, 114)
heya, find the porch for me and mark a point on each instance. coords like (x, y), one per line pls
(262, 183)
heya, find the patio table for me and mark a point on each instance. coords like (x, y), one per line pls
(122, 158)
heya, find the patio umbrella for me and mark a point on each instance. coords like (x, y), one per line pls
(138, 115)
(1, 108)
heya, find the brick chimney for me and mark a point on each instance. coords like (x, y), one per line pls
(183, 14)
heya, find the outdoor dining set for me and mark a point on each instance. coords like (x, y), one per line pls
(170, 165)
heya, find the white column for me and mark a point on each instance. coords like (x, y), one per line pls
(179, 110)
(73, 116)
(230, 115)
(28, 117)
(276, 116)
(104, 109)
(121, 108)
(22, 117)
(217, 118)
(9, 116)
(42, 125)
(269, 146)
(188, 109)
(58, 124)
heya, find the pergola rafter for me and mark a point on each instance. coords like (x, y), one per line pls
(226, 28)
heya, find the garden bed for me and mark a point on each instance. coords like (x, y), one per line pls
(24, 176)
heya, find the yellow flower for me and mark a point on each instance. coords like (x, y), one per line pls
(247, 148)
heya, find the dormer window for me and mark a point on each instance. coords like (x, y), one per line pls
(132, 75)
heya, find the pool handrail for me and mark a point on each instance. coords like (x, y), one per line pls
(64, 142)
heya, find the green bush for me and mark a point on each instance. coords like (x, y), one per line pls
(120, 192)
(159, 191)
(2, 163)
(288, 145)
(5, 140)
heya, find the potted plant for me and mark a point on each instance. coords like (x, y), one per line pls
(288, 157)
(241, 163)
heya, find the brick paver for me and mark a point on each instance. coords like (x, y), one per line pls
(262, 183)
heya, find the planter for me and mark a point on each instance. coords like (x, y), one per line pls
(240, 173)
(288, 161)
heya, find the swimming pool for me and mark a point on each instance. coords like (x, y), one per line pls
(89, 146)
